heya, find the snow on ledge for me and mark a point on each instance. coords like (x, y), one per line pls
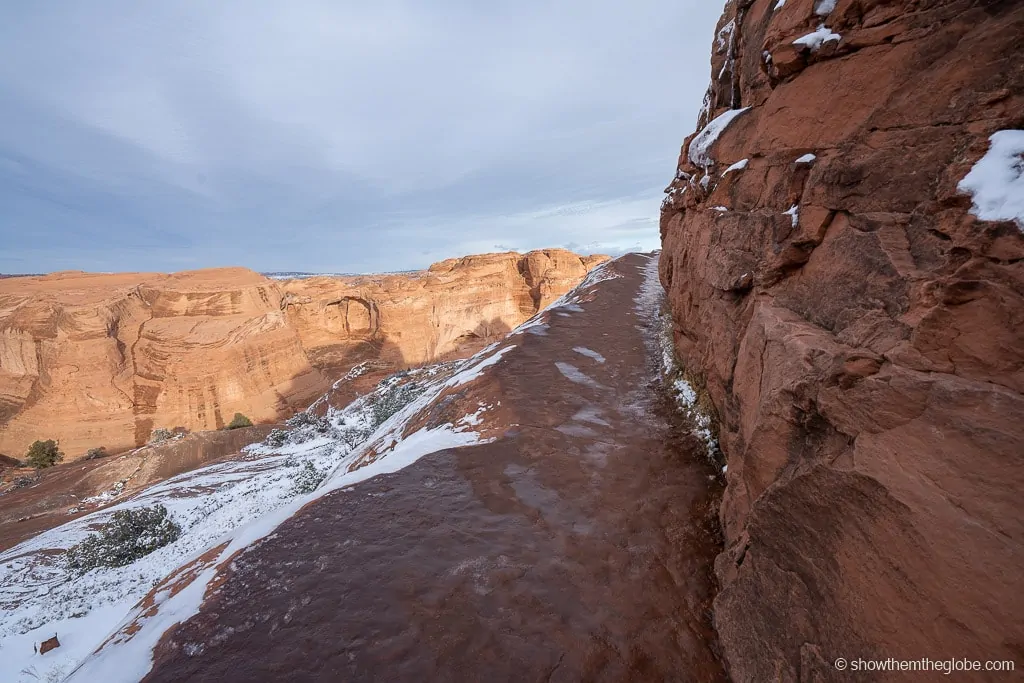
(815, 40)
(996, 182)
(738, 166)
(700, 146)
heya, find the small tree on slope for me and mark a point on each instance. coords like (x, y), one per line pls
(239, 421)
(43, 454)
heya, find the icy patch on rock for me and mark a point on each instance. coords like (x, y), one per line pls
(591, 415)
(815, 40)
(573, 374)
(806, 159)
(650, 305)
(583, 351)
(700, 146)
(996, 182)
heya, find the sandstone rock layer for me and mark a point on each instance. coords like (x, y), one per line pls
(93, 359)
(858, 330)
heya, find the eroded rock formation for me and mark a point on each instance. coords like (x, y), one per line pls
(422, 316)
(858, 330)
(94, 360)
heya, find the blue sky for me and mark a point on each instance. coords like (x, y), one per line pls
(338, 136)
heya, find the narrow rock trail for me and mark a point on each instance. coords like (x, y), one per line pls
(575, 545)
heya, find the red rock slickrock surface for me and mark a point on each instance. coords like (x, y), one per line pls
(865, 350)
(103, 359)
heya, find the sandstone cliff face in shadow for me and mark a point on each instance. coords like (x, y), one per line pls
(859, 330)
(93, 359)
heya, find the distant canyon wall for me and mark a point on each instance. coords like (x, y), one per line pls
(92, 359)
(859, 329)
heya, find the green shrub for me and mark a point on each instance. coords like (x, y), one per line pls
(160, 435)
(301, 419)
(319, 423)
(387, 404)
(95, 453)
(354, 436)
(276, 438)
(307, 479)
(128, 536)
(24, 481)
(43, 454)
(239, 421)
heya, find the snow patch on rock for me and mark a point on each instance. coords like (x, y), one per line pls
(815, 40)
(700, 146)
(823, 8)
(725, 35)
(996, 182)
(738, 166)
(794, 214)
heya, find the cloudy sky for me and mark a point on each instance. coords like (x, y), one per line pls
(338, 136)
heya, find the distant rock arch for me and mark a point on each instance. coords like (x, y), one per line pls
(352, 317)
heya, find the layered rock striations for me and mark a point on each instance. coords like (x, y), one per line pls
(418, 317)
(858, 328)
(92, 359)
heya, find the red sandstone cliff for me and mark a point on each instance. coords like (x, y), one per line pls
(858, 329)
(93, 359)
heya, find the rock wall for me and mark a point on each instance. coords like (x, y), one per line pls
(94, 360)
(858, 329)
